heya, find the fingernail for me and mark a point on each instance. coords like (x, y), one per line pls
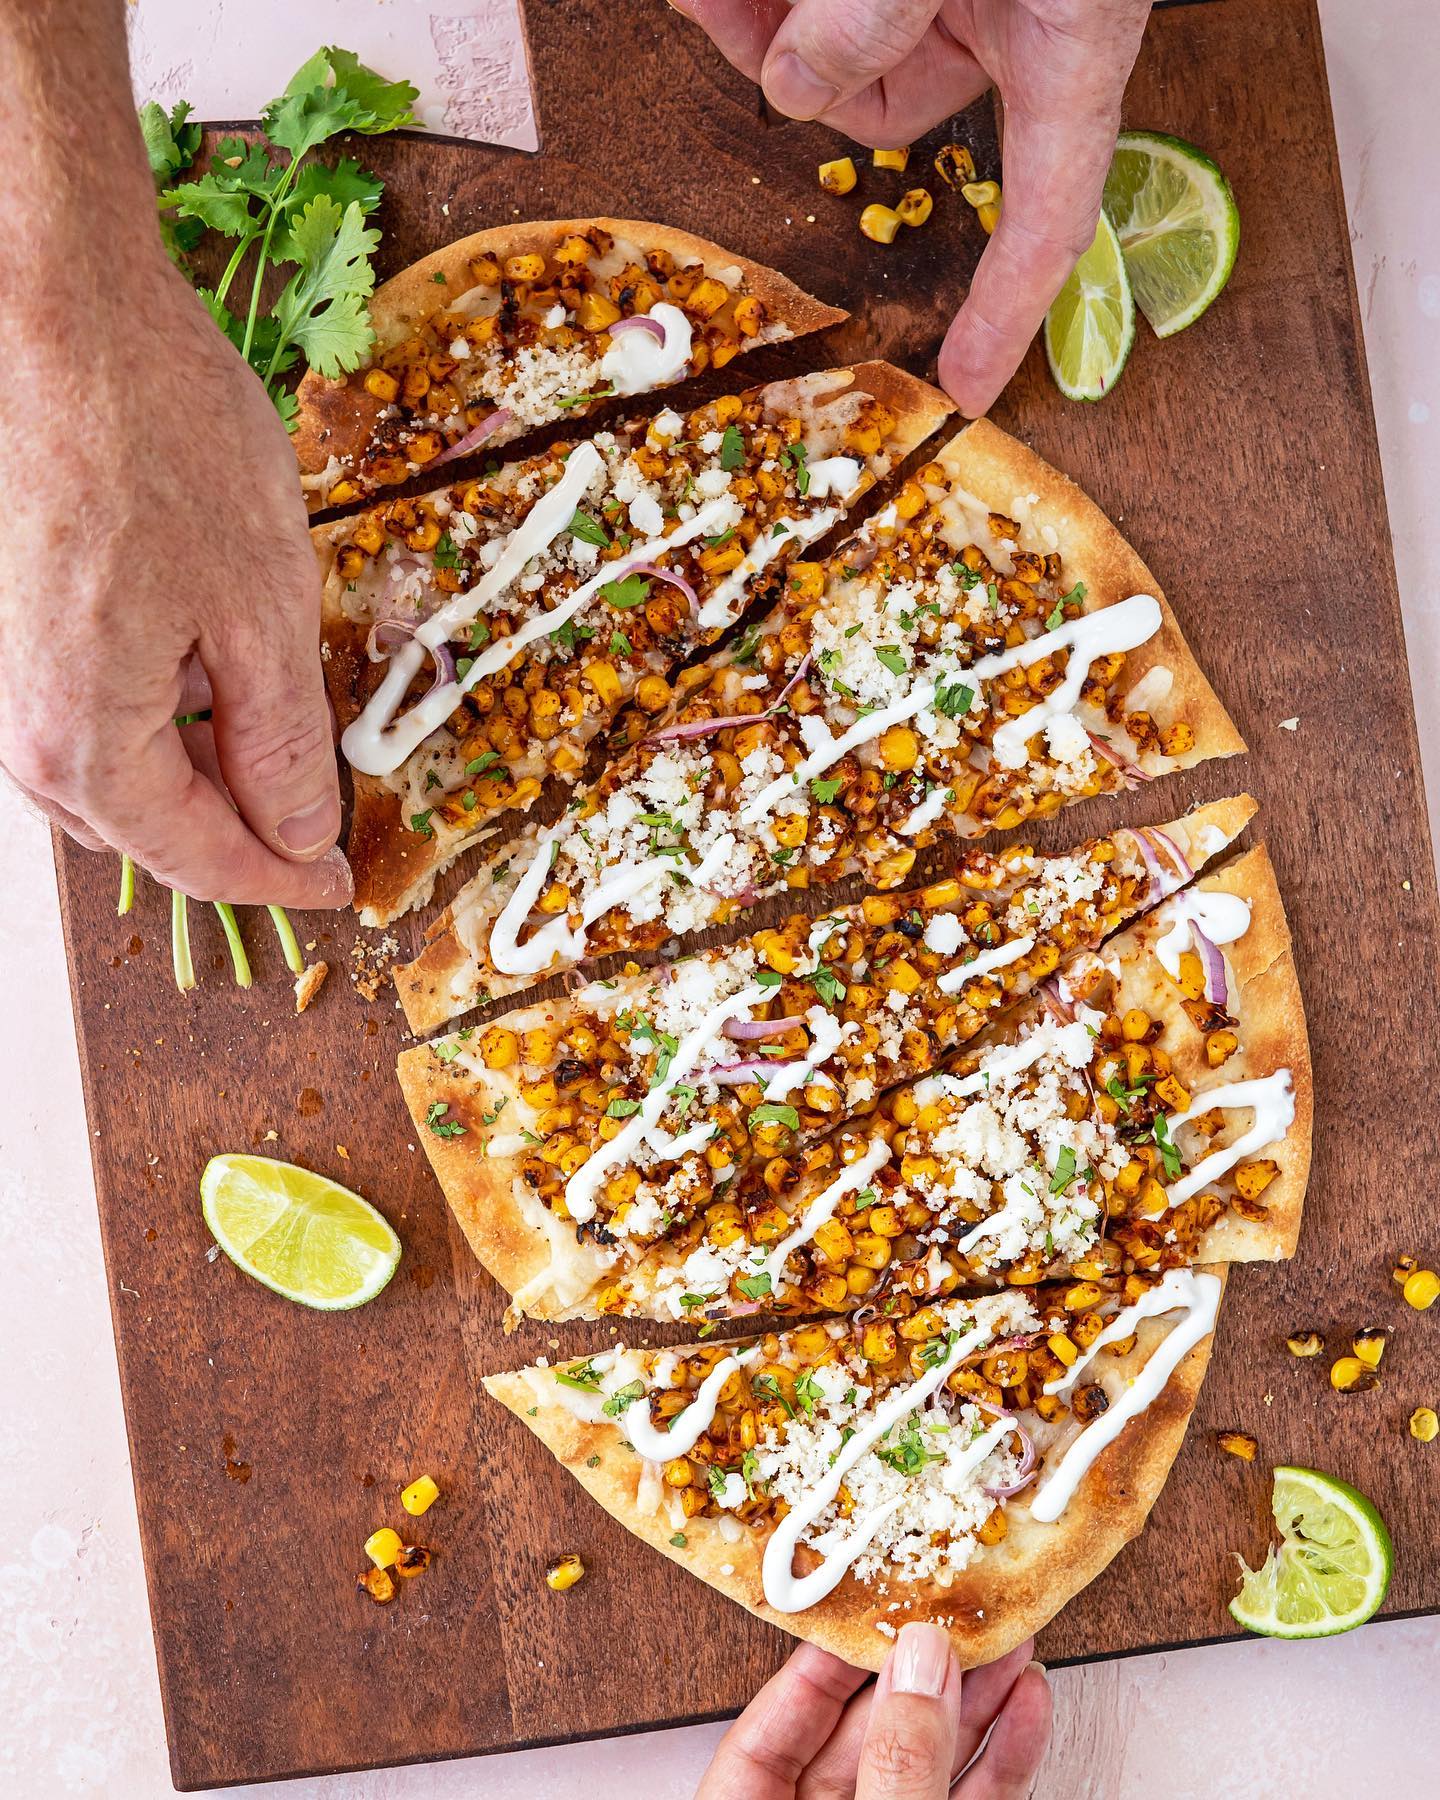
(339, 880)
(794, 87)
(306, 833)
(920, 1661)
(1037, 1666)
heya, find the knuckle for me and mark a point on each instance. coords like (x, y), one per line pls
(272, 755)
(898, 1756)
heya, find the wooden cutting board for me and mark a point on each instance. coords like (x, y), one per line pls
(268, 1442)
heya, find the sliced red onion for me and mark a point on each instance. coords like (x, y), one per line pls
(698, 728)
(1186, 872)
(639, 322)
(401, 629)
(658, 574)
(1024, 1341)
(742, 1309)
(737, 1074)
(444, 668)
(1025, 1474)
(1216, 987)
(744, 1029)
(1162, 880)
(1131, 771)
(475, 437)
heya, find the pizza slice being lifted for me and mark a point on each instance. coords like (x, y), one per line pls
(841, 1479)
(589, 1144)
(984, 651)
(524, 324)
(479, 637)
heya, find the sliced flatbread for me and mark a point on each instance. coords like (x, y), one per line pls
(573, 1136)
(512, 328)
(1015, 1461)
(529, 606)
(983, 652)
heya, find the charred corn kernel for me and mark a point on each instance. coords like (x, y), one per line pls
(1220, 1046)
(1422, 1288)
(565, 1572)
(414, 1559)
(555, 899)
(891, 870)
(954, 165)
(499, 1047)
(807, 580)
(989, 217)
(981, 193)
(1348, 1375)
(727, 409)
(652, 692)
(1135, 1025)
(342, 492)
(1405, 1267)
(879, 223)
(1151, 1198)
(891, 159)
(529, 267)
(349, 561)
(1049, 1407)
(899, 748)
(871, 1250)
(1237, 1443)
(420, 1496)
(877, 1341)
(902, 977)
(915, 207)
(838, 177)
(380, 1586)
(1369, 1344)
(1061, 1346)
(719, 559)
(1128, 1180)
(834, 1242)
(707, 297)
(678, 1472)
(1424, 1424)
(1082, 1295)
(539, 1093)
(884, 1221)
(1192, 976)
(995, 1527)
(859, 1279)
(595, 312)
(1305, 1343)
(1175, 1095)
(1253, 1178)
(382, 386)
(486, 270)
(749, 315)
(383, 1546)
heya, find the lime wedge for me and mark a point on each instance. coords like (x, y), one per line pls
(1333, 1568)
(1091, 322)
(1178, 226)
(299, 1233)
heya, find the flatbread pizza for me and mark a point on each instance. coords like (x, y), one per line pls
(982, 653)
(585, 1142)
(970, 1462)
(524, 324)
(478, 638)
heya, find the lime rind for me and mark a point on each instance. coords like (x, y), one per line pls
(1178, 224)
(1090, 327)
(1332, 1570)
(297, 1233)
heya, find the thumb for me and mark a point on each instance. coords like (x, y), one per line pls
(272, 724)
(909, 1746)
(827, 51)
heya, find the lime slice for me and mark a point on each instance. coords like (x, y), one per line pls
(300, 1234)
(1178, 226)
(1091, 322)
(1333, 1568)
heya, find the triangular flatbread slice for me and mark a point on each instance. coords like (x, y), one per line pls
(970, 1462)
(574, 1135)
(515, 327)
(478, 638)
(983, 652)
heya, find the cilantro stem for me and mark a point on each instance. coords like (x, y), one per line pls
(285, 931)
(282, 189)
(127, 886)
(180, 942)
(233, 266)
(239, 961)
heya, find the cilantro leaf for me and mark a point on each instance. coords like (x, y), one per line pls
(322, 307)
(1064, 1170)
(170, 141)
(439, 1124)
(628, 591)
(825, 791)
(755, 1287)
(623, 1397)
(1169, 1155)
(588, 530)
(732, 448)
(773, 1113)
(890, 656)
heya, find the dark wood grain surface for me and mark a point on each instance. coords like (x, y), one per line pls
(268, 1442)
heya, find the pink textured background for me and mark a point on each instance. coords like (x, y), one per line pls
(1255, 1721)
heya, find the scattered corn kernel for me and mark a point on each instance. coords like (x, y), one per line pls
(915, 207)
(838, 177)
(891, 159)
(1422, 1289)
(1369, 1345)
(420, 1496)
(1405, 1267)
(989, 217)
(383, 1546)
(380, 1586)
(413, 1559)
(879, 224)
(954, 165)
(1238, 1443)
(1305, 1343)
(1424, 1424)
(1348, 1375)
(565, 1573)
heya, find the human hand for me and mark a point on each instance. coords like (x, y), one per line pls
(818, 1731)
(156, 560)
(884, 71)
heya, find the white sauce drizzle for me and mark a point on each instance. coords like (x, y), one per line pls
(953, 980)
(1199, 1295)
(635, 362)
(928, 811)
(832, 475)
(1010, 1059)
(719, 609)
(580, 1188)
(1223, 918)
(789, 1593)
(686, 1427)
(822, 1207)
(1273, 1098)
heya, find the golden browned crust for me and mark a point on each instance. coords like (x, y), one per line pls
(996, 468)
(1009, 1590)
(337, 418)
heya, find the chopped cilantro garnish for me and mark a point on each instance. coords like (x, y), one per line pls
(1169, 1155)
(732, 448)
(679, 1541)
(620, 644)
(890, 656)
(500, 1105)
(439, 1124)
(825, 791)
(446, 554)
(628, 591)
(622, 1109)
(588, 530)
(774, 1113)
(808, 1392)
(623, 1397)
(754, 1287)
(954, 701)
(584, 1376)
(829, 988)
(797, 454)
(420, 822)
(1064, 1170)
(600, 393)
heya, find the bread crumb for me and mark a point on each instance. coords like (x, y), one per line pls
(309, 983)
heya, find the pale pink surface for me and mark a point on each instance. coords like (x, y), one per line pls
(1254, 1721)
